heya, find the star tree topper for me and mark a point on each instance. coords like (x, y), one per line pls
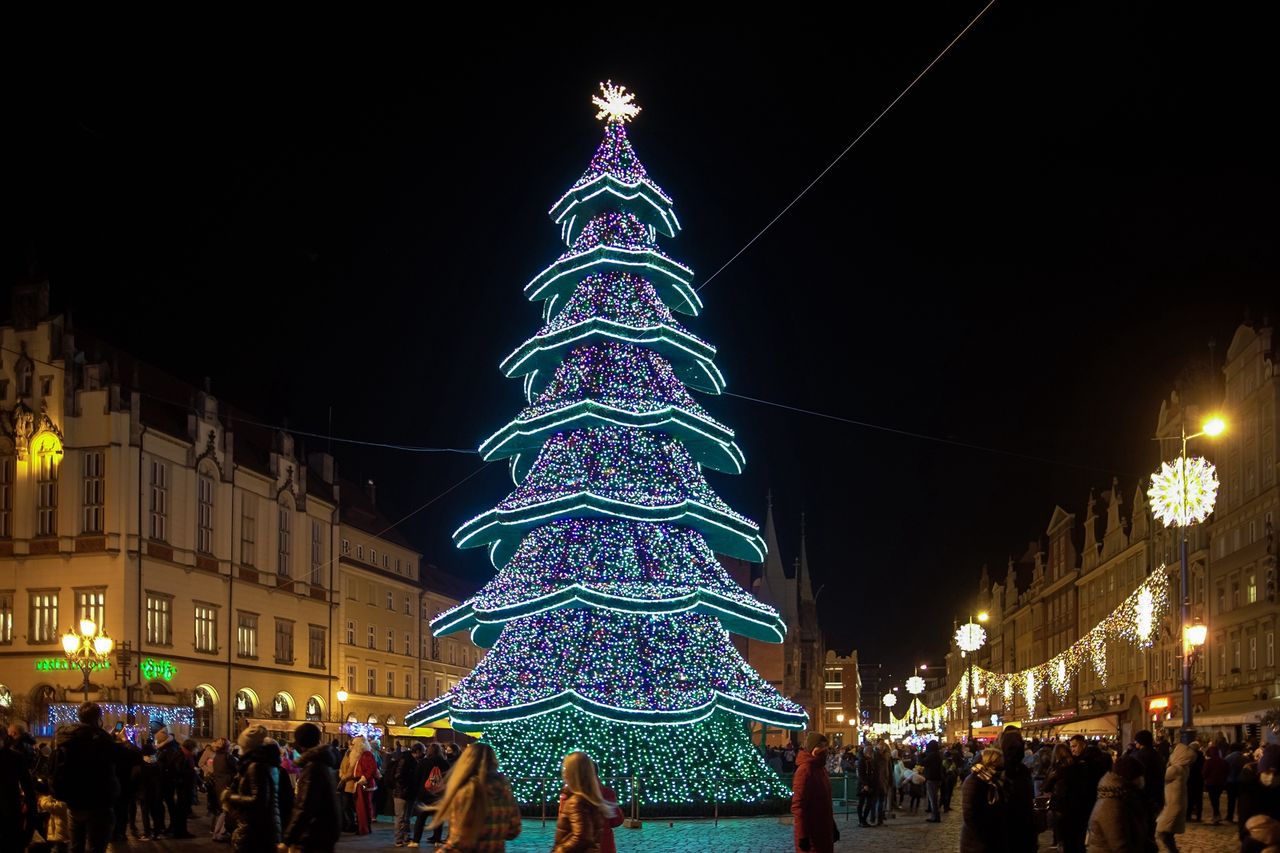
(617, 104)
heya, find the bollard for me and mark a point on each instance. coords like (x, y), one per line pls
(542, 789)
(633, 822)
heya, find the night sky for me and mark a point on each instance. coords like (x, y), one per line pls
(1025, 254)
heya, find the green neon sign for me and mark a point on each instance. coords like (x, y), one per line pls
(59, 664)
(154, 668)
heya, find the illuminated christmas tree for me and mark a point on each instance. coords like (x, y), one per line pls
(609, 616)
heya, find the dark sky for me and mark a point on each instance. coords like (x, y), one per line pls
(1025, 253)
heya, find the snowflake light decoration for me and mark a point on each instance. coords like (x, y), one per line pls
(890, 699)
(1030, 690)
(970, 637)
(617, 104)
(1183, 492)
(915, 685)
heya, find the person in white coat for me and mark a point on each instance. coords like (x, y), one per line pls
(1173, 817)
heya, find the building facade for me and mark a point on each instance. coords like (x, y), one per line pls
(1048, 602)
(841, 698)
(210, 555)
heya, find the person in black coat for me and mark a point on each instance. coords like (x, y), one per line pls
(404, 790)
(177, 779)
(1259, 799)
(1153, 767)
(128, 760)
(84, 777)
(1195, 785)
(933, 777)
(434, 760)
(258, 798)
(314, 823)
(1020, 812)
(17, 800)
(984, 806)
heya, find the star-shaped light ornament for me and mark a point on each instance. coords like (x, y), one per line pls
(1183, 491)
(615, 103)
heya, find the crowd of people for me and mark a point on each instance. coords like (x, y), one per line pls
(1092, 795)
(91, 787)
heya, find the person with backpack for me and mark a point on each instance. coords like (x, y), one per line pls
(429, 785)
(84, 777)
(404, 789)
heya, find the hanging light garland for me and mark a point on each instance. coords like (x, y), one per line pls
(1132, 622)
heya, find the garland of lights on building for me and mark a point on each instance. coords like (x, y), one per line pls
(610, 615)
(1132, 622)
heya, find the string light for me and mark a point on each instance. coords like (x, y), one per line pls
(65, 713)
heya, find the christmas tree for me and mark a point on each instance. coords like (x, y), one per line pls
(609, 616)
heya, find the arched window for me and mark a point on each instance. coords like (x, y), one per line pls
(286, 516)
(373, 719)
(282, 706)
(246, 705)
(203, 702)
(315, 709)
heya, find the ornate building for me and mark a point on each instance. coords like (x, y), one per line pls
(207, 553)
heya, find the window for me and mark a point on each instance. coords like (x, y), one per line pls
(408, 685)
(159, 619)
(282, 561)
(46, 495)
(391, 601)
(1235, 654)
(453, 658)
(351, 632)
(44, 617)
(1252, 588)
(159, 500)
(248, 531)
(1253, 532)
(398, 566)
(284, 641)
(1222, 599)
(315, 646)
(206, 628)
(426, 646)
(371, 640)
(1271, 646)
(435, 648)
(92, 604)
(317, 551)
(408, 645)
(422, 689)
(359, 552)
(346, 546)
(1253, 653)
(385, 561)
(46, 386)
(6, 617)
(204, 513)
(93, 492)
(408, 605)
(391, 682)
(371, 681)
(373, 556)
(351, 678)
(6, 496)
(247, 634)
(439, 690)
(391, 639)
(1235, 595)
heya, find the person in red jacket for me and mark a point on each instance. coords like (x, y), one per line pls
(815, 825)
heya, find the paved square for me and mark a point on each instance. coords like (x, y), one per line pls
(732, 835)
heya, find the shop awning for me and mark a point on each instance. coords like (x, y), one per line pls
(1103, 725)
(1243, 713)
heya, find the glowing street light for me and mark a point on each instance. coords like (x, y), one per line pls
(1183, 493)
(342, 700)
(87, 648)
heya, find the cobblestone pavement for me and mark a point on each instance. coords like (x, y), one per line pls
(731, 835)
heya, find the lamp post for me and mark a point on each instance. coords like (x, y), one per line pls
(342, 701)
(87, 648)
(970, 637)
(1183, 494)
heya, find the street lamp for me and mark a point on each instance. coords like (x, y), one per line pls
(342, 700)
(87, 648)
(1183, 494)
(969, 637)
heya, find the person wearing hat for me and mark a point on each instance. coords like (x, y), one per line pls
(1172, 819)
(260, 799)
(815, 825)
(1260, 801)
(1120, 818)
(177, 779)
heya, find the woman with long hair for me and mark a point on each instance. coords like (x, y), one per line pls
(477, 804)
(985, 806)
(584, 811)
